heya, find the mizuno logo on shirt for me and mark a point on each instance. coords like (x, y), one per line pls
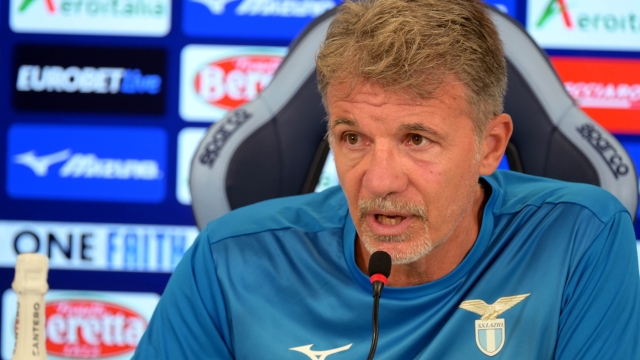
(319, 355)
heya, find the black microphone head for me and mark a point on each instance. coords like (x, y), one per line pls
(380, 263)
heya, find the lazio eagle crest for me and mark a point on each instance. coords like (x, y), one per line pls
(490, 331)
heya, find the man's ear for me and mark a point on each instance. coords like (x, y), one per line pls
(494, 144)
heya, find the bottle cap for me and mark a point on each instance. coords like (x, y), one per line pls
(31, 274)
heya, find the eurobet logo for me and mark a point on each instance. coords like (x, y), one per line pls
(91, 17)
(585, 24)
(249, 20)
(124, 164)
(89, 79)
(86, 324)
(216, 79)
(608, 90)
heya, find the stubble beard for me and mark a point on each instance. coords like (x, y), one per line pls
(421, 244)
(418, 234)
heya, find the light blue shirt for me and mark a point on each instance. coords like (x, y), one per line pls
(554, 271)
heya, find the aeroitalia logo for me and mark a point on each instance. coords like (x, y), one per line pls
(585, 24)
(91, 17)
(112, 8)
(554, 8)
(50, 6)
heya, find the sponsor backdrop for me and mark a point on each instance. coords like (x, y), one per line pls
(585, 24)
(83, 163)
(97, 246)
(216, 79)
(105, 101)
(98, 17)
(606, 89)
(270, 21)
(89, 79)
(86, 324)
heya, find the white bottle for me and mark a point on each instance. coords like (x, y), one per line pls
(30, 284)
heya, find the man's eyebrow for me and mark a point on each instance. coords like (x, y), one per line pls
(343, 121)
(418, 127)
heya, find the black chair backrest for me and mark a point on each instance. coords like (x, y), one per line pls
(273, 146)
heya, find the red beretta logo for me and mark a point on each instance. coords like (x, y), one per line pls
(89, 329)
(231, 82)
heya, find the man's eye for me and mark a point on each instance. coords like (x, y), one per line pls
(352, 139)
(418, 140)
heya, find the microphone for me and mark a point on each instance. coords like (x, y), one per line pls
(379, 271)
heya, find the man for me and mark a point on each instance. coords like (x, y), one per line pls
(484, 264)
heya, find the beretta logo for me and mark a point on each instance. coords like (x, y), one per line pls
(125, 164)
(231, 82)
(83, 329)
(92, 17)
(85, 324)
(273, 20)
(216, 79)
(115, 80)
(585, 24)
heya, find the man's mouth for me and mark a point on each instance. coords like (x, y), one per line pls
(389, 219)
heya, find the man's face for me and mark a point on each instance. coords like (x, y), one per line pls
(409, 168)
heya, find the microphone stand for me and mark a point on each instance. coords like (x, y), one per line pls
(379, 270)
(377, 291)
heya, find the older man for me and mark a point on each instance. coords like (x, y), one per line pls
(484, 264)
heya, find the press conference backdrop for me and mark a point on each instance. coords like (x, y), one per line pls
(104, 102)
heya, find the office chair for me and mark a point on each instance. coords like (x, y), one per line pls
(274, 146)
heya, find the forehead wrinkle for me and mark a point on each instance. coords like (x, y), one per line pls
(365, 93)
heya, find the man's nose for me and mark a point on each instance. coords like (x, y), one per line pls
(385, 174)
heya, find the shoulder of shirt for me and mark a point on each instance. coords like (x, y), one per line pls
(517, 191)
(313, 212)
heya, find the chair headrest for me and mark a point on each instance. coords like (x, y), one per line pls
(272, 147)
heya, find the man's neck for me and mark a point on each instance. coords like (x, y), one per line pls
(443, 258)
